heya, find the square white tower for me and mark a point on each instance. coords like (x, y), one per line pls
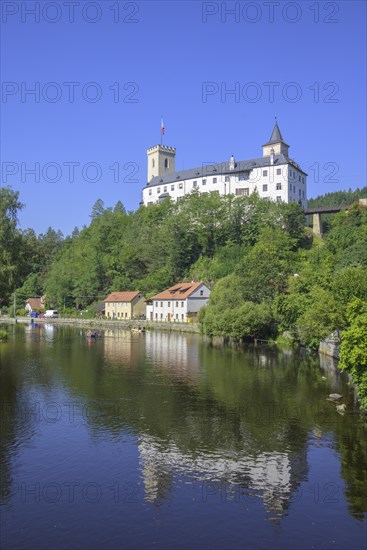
(161, 160)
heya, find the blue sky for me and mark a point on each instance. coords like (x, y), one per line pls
(159, 56)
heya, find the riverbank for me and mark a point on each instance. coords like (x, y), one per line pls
(105, 323)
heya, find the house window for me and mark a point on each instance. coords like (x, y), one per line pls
(176, 304)
(303, 179)
(265, 172)
(299, 178)
(214, 180)
(126, 314)
(158, 190)
(279, 199)
(177, 316)
(182, 316)
(278, 186)
(226, 178)
(201, 293)
(172, 187)
(166, 163)
(161, 316)
(195, 184)
(265, 187)
(161, 304)
(182, 304)
(165, 188)
(169, 304)
(279, 171)
(243, 176)
(150, 191)
(156, 316)
(180, 185)
(156, 304)
(204, 182)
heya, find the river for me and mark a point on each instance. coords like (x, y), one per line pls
(160, 440)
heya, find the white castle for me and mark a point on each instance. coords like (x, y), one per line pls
(274, 176)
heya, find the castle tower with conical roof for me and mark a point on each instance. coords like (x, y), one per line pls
(276, 142)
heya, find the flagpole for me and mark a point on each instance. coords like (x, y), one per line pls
(161, 130)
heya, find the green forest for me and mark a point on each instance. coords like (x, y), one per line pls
(270, 276)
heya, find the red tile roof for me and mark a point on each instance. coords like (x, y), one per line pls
(179, 291)
(121, 296)
(35, 303)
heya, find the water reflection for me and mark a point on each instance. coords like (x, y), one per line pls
(240, 420)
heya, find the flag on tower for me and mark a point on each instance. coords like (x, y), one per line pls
(162, 126)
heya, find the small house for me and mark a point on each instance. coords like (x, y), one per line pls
(34, 304)
(179, 303)
(125, 305)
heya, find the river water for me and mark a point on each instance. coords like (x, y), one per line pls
(160, 440)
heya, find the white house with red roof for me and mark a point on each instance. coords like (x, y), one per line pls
(179, 303)
(124, 305)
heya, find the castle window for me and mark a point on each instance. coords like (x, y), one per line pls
(290, 187)
(180, 185)
(166, 163)
(245, 191)
(299, 192)
(278, 186)
(153, 163)
(279, 171)
(214, 180)
(303, 194)
(265, 187)
(265, 172)
(294, 188)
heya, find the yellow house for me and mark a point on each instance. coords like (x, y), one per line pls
(124, 305)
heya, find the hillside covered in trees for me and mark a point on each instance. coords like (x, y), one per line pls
(268, 274)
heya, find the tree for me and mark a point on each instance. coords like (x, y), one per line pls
(97, 209)
(119, 207)
(10, 241)
(353, 348)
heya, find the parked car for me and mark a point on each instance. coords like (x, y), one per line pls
(51, 313)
